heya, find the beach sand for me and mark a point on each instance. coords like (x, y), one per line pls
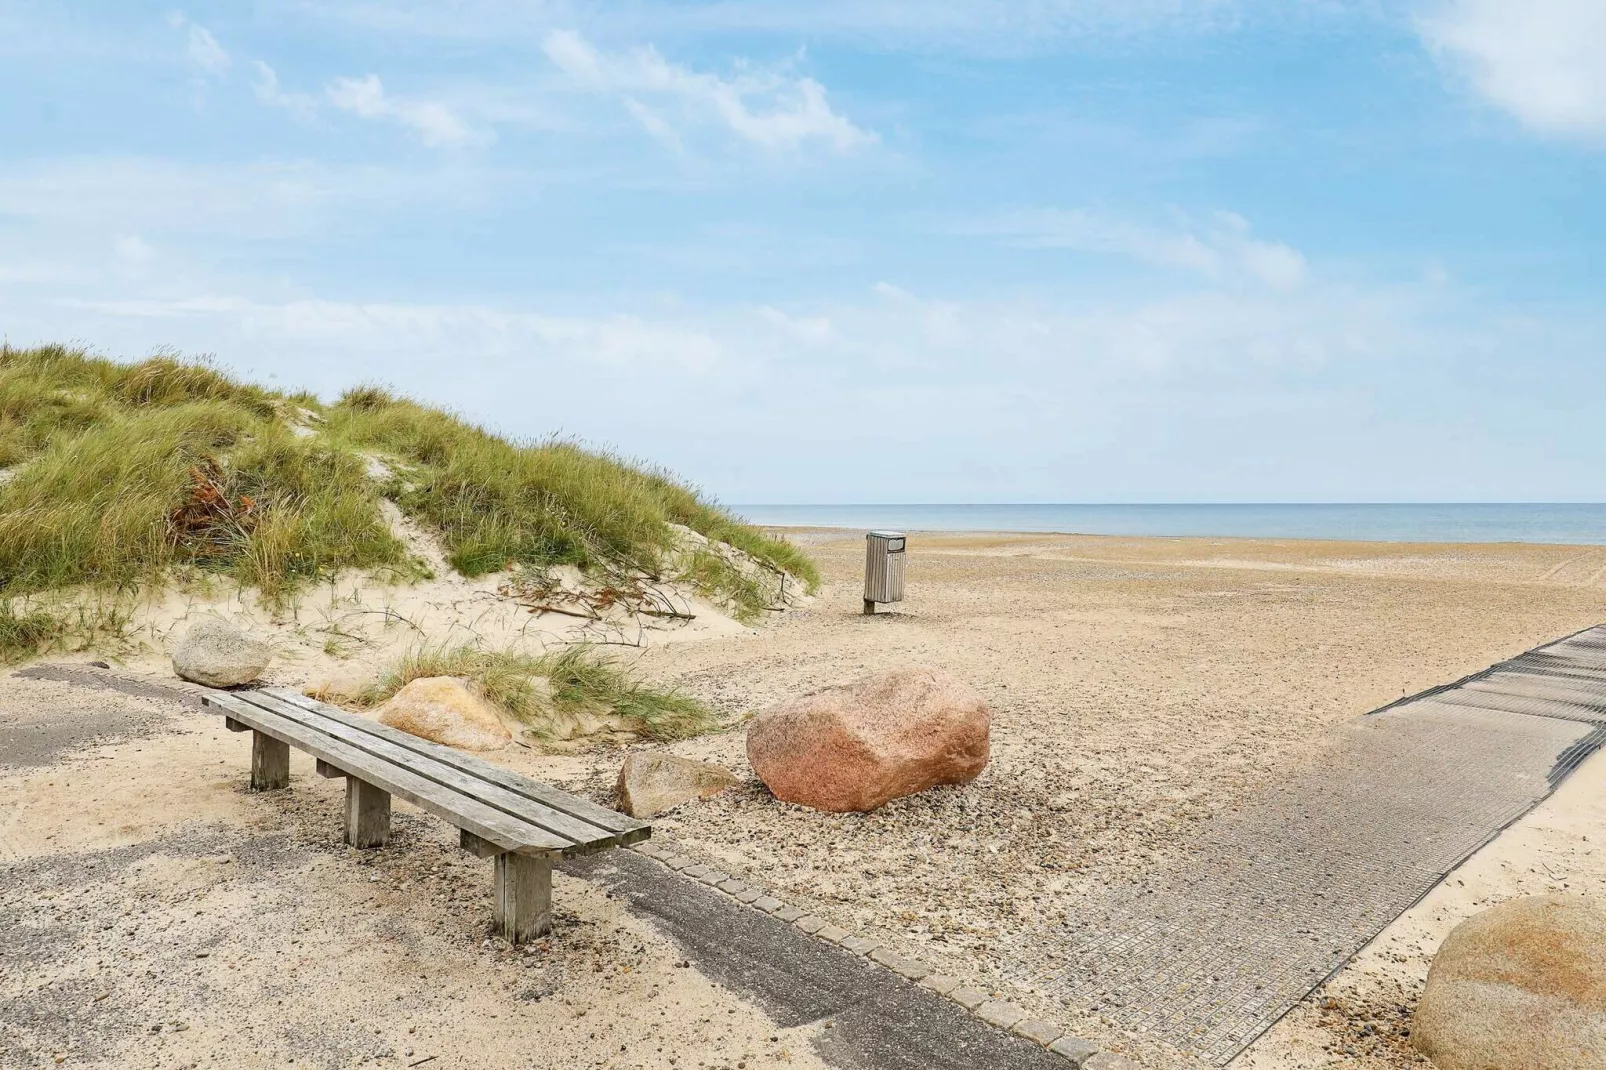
(154, 913)
(1137, 687)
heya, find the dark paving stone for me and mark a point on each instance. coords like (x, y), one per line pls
(58, 908)
(33, 738)
(879, 1021)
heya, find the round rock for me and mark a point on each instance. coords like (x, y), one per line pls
(652, 784)
(446, 710)
(216, 653)
(1521, 986)
(861, 745)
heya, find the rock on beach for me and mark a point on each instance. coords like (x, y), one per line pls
(217, 653)
(652, 784)
(858, 746)
(446, 710)
(1521, 986)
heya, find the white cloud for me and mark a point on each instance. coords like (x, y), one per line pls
(132, 249)
(655, 125)
(202, 48)
(1059, 395)
(771, 108)
(1544, 61)
(267, 89)
(1223, 250)
(431, 121)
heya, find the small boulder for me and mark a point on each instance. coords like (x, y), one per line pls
(1521, 986)
(652, 784)
(446, 710)
(216, 653)
(343, 684)
(861, 745)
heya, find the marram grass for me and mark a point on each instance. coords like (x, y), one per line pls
(119, 474)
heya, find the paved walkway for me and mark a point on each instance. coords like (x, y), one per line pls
(1208, 953)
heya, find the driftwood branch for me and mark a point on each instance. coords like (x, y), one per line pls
(565, 612)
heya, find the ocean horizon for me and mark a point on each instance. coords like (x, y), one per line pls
(1569, 523)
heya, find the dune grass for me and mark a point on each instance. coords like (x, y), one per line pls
(498, 504)
(571, 681)
(143, 491)
(120, 473)
(27, 630)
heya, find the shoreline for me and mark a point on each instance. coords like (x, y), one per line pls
(1527, 523)
(840, 531)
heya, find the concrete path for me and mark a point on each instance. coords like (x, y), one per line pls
(1207, 953)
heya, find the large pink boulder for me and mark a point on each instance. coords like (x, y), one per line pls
(1521, 986)
(858, 746)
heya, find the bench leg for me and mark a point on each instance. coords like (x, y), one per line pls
(270, 762)
(523, 897)
(367, 814)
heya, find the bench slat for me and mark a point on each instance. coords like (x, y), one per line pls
(627, 828)
(584, 836)
(464, 812)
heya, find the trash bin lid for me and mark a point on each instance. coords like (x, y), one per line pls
(885, 535)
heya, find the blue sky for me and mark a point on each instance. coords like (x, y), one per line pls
(1052, 250)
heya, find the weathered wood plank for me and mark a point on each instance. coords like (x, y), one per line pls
(328, 771)
(484, 821)
(475, 846)
(523, 897)
(1577, 653)
(367, 814)
(1484, 700)
(585, 836)
(270, 762)
(235, 726)
(1546, 665)
(1557, 688)
(627, 828)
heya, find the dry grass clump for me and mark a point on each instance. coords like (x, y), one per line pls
(28, 630)
(570, 682)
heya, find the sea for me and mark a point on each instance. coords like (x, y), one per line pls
(1569, 523)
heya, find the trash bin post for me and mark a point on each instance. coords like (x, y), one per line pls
(884, 555)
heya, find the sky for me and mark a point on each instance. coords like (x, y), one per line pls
(856, 250)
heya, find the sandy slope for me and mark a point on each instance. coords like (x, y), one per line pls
(345, 632)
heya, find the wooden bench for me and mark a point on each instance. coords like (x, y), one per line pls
(519, 822)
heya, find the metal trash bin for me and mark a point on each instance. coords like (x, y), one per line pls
(884, 555)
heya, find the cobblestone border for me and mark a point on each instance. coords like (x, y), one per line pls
(998, 1013)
